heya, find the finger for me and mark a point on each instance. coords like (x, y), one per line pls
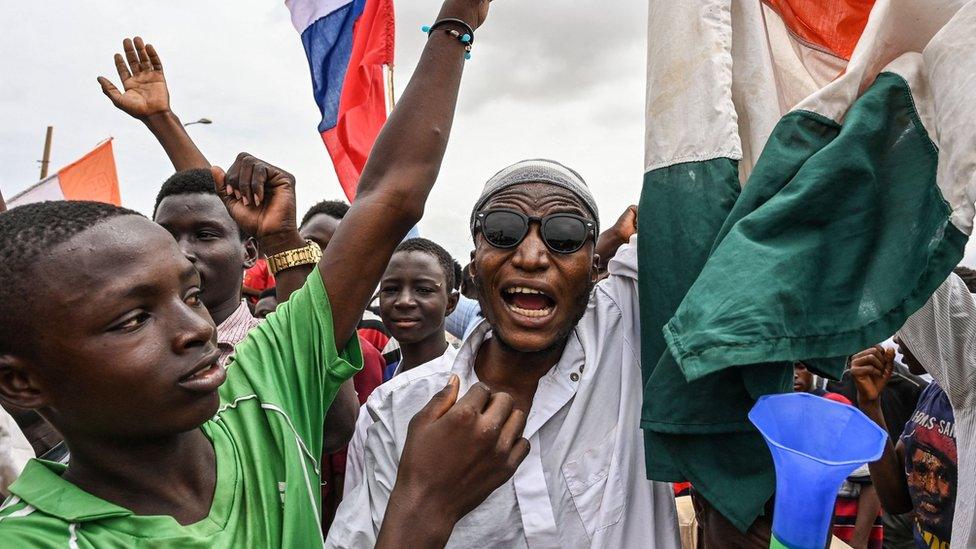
(476, 398)
(441, 402)
(144, 64)
(500, 406)
(219, 180)
(131, 56)
(261, 180)
(246, 180)
(519, 450)
(231, 179)
(512, 429)
(110, 90)
(157, 64)
(122, 69)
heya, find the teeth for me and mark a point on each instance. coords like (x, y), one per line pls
(522, 290)
(534, 313)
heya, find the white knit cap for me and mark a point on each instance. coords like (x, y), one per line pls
(538, 171)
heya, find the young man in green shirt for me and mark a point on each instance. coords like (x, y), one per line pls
(170, 449)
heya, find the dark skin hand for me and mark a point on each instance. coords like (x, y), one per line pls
(145, 97)
(616, 236)
(871, 369)
(414, 300)
(477, 444)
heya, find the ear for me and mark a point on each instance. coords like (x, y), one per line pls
(595, 269)
(250, 252)
(470, 270)
(18, 385)
(452, 301)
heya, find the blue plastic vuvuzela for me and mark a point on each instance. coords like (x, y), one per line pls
(816, 443)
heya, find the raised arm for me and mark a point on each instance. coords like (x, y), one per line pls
(871, 370)
(146, 98)
(616, 236)
(398, 176)
(3, 205)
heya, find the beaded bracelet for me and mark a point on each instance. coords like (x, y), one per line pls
(466, 38)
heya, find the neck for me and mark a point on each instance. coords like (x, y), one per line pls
(222, 311)
(515, 372)
(173, 475)
(425, 350)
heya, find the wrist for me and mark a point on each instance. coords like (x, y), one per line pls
(280, 241)
(430, 525)
(161, 119)
(469, 16)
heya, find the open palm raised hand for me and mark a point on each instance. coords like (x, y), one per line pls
(144, 84)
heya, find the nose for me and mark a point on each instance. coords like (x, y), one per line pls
(532, 253)
(194, 328)
(186, 248)
(404, 299)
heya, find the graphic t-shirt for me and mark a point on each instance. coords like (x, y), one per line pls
(931, 467)
(267, 437)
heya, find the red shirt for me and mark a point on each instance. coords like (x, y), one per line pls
(258, 278)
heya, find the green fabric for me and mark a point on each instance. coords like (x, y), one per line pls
(839, 234)
(682, 210)
(267, 436)
(830, 248)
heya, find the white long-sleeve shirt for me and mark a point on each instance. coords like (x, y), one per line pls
(583, 483)
(942, 336)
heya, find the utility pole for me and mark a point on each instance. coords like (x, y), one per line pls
(47, 151)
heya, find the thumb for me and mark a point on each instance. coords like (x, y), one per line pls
(219, 183)
(442, 401)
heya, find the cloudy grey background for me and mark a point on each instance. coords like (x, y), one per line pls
(562, 79)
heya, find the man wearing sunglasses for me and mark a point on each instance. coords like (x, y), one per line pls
(567, 349)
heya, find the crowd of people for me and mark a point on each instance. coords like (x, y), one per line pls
(246, 377)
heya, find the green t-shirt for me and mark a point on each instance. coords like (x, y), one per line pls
(267, 436)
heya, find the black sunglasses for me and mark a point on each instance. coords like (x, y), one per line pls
(562, 233)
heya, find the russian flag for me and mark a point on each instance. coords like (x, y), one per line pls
(347, 43)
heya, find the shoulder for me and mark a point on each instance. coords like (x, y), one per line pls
(409, 391)
(23, 526)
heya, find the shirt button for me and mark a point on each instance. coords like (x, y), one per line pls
(574, 376)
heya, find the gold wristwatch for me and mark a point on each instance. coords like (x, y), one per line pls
(287, 259)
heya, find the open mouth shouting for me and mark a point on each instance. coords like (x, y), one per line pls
(528, 302)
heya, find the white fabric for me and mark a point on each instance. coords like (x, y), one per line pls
(930, 44)
(355, 452)
(583, 483)
(47, 189)
(942, 336)
(721, 74)
(15, 451)
(306, 12)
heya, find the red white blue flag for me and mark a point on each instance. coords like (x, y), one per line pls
(347, 43)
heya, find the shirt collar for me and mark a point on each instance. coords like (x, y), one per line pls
(41, 486)
(555, 389)
(233, 329)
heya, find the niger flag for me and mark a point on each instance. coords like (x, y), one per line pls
(809, 181)
(91, 177)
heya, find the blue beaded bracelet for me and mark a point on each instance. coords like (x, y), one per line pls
(466, 38)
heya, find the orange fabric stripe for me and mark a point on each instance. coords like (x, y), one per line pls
(92, 177)
(833, 25)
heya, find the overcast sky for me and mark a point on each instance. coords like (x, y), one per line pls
(560, 79)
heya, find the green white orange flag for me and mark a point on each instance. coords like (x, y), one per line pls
(91, 177)
(810, 174)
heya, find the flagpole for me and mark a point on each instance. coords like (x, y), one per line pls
(47, 151)
(389, 86)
